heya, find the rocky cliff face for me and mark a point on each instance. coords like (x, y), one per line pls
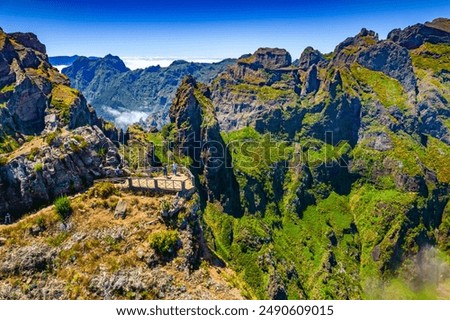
(324, 180)
(66, 165)
(254, 88)
(385, 56)
(310, 57)
(125, 96)
(49, 142)
(198, 136)
(414, 36)
(340, 161)
(33, 92)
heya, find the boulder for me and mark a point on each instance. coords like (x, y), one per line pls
(121, 209)
(376, 253)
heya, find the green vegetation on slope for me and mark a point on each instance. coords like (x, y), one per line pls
(431, 63)
(263, 93)
(158, 144)
(435, 57)
(253, 153)
(387, 90)
(7, 143)
(345, 245)
(8, 88)
(207, 108)
(63, 98)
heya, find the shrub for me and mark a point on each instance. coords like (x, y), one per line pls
(165, 206)
(165, 131)
(33, 153)
(7, 144)
(104, 190)
(109, 126)
(41, 223)
(77, 147)
(112, 203)
(50, 138)
(3, 160)
(58, 239)
(101, 152)
(38, 167)
(63, 208)
(74, 147)
(164, 242)
(79, 138)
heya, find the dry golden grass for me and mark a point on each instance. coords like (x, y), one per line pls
(95, 243)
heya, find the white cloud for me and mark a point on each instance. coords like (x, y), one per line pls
(60, 67)
(143, 62)
(124, 118)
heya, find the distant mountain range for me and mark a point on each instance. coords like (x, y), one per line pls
(355, 203)
(327, 178)
(65, 61)
(126, 96)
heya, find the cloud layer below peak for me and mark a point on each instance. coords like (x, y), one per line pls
(144, 62)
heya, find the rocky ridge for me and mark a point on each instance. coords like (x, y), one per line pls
(94, 256)
(50, 138)
(198, 137)
(50, 169)
(114, 90)
(360, 189)
(324, 179)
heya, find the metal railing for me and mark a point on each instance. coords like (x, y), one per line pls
(145, 179)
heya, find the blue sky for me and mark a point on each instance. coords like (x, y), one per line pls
(209, 29)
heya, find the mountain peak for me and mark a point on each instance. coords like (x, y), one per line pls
(90, 67)
(412, 37)
(29, 40)
(189, 81)
(367, 33)
(440, 23)
(309, 57)
(109, 56)
(273, 58)
(178, 62)
(364, 38)
(267, 58)
(114, 61)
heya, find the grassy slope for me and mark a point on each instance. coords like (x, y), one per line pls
(372, 214)
(63, 98)
(95, 243)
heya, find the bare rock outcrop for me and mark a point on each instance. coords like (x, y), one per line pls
(68, 165)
